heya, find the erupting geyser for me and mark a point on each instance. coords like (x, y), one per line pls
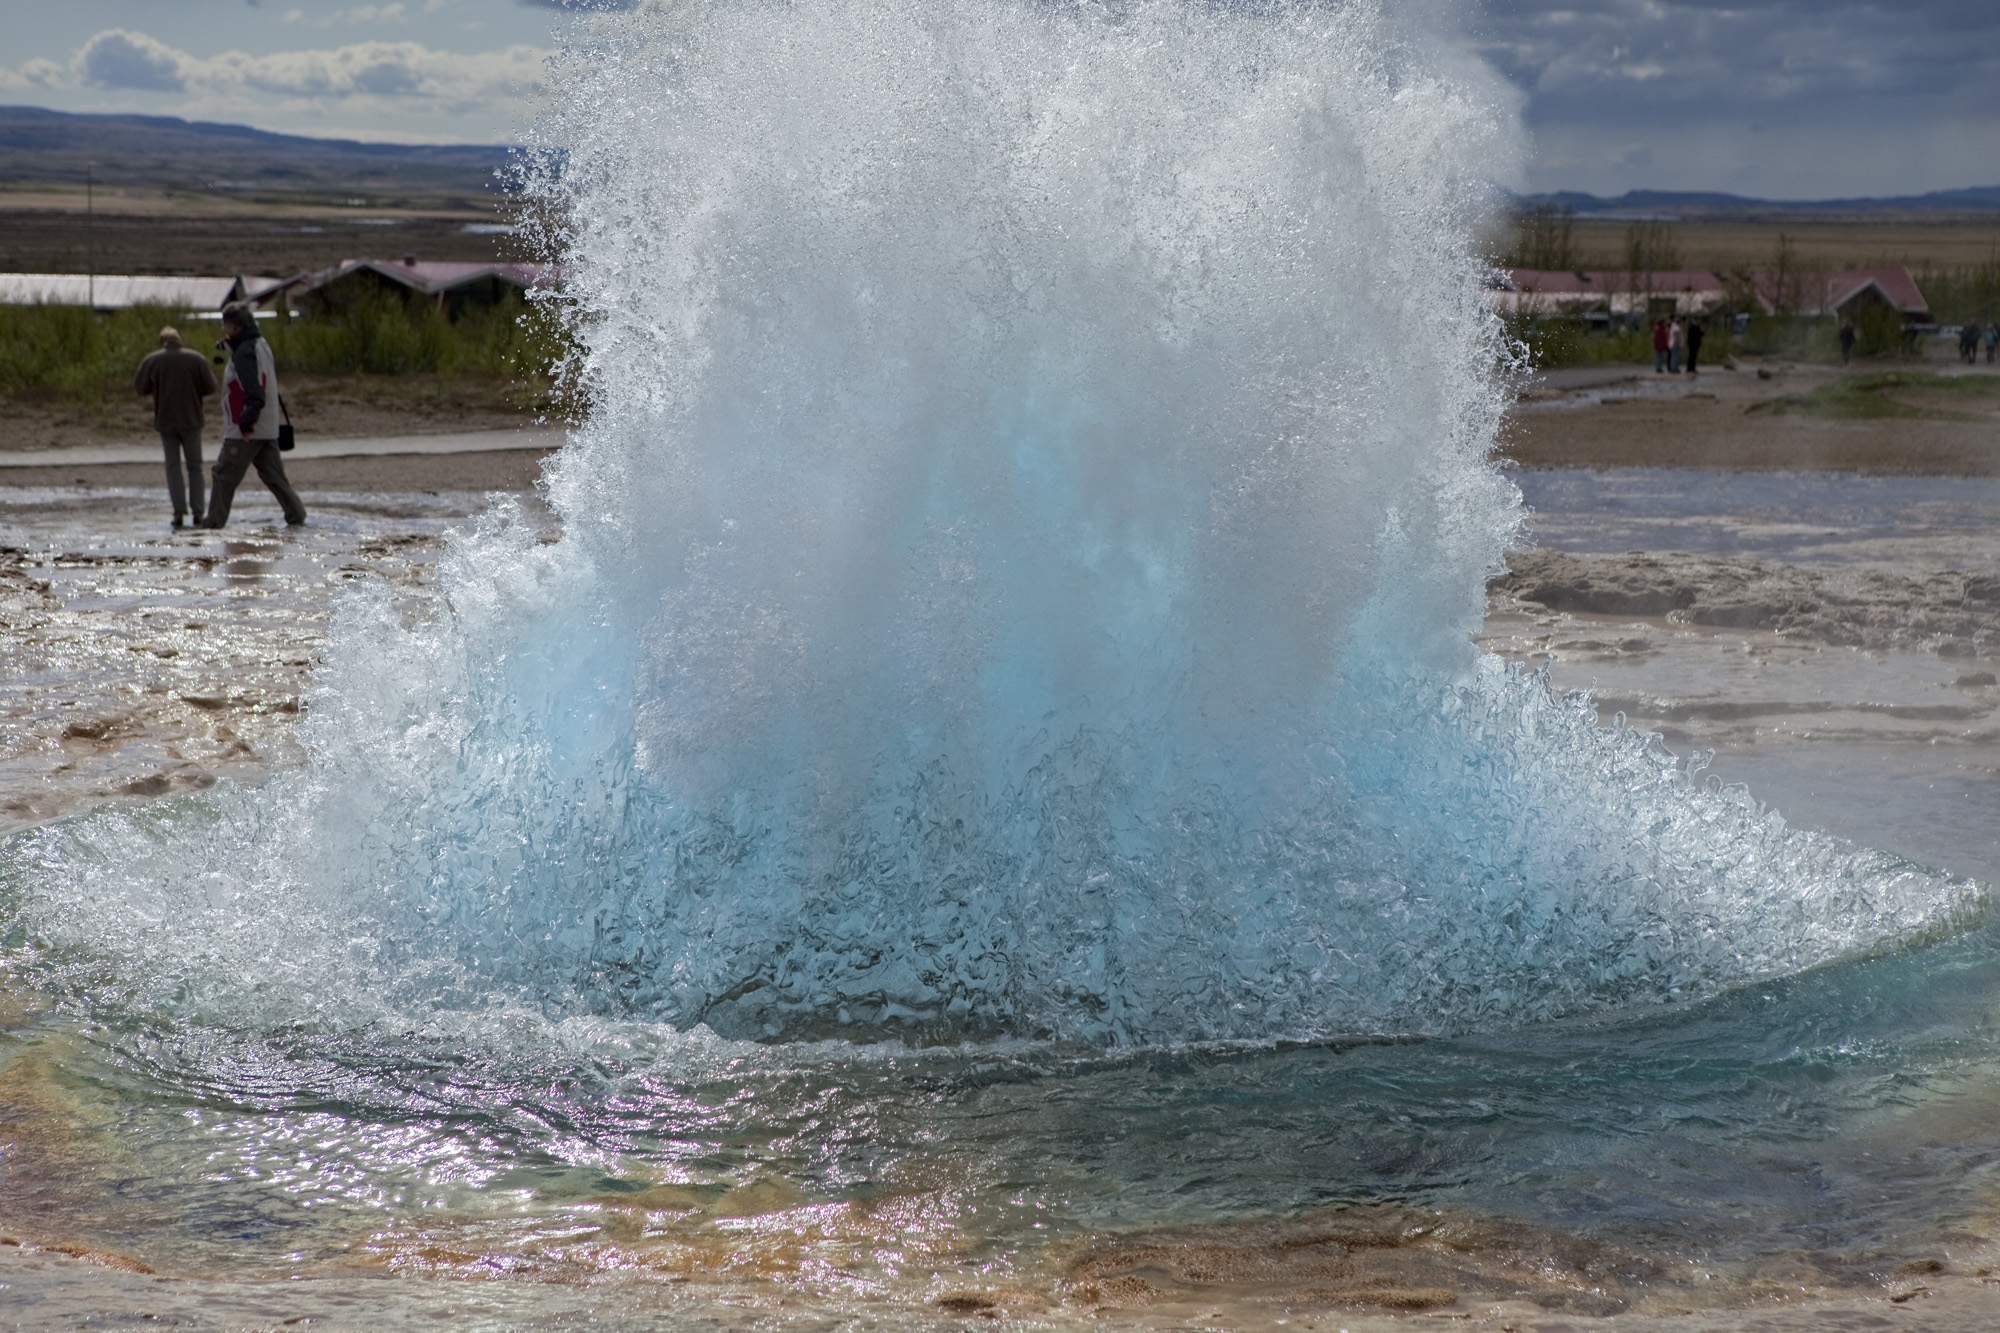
(1016, 580)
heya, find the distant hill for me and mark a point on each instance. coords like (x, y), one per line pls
(1652, 203)
(38, 146)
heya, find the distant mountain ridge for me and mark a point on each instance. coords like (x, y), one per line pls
(39, 145)
(1650, 203)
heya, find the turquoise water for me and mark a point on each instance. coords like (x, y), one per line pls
(1816, 1132)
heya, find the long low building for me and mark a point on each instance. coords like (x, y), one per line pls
(121, 291)
(1616, 292)
(451, 286)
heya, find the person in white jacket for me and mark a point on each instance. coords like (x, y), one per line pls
(250, 403)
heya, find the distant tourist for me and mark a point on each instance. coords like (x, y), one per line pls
(250, 397)
(1992, 341)
(1674, 336)
(1695, 335)
(1968, 342)
(1846, 341)
(178, 378)
(1659, 345)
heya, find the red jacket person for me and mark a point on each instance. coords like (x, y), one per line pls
(250, 399)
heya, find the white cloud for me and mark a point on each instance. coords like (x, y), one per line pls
(116, 58)
(32, 74)
(374, 75)
(356, 16)
(377, 69)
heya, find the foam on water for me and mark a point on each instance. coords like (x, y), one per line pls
(1017, 580)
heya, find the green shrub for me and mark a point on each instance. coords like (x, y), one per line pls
(1960, 295)
(1909, 394)
(68, 354)
(1555, 341)
(383, 334)
(65, 353)
(380, 335)
(1879, 332)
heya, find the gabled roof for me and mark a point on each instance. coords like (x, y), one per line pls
(1552, 282)
(260, 287)
(1816, 293)
(1894, 281)
(430, 277)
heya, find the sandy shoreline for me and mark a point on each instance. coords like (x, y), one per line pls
(496, 470)
(67, 1280)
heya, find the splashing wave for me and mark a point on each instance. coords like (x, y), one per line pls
(1016, 580)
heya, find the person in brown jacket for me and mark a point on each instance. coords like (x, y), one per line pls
(178, 378)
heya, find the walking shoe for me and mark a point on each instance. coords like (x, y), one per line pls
(179, 524)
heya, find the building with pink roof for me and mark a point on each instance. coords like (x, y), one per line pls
(451, 286)
(1843, 292)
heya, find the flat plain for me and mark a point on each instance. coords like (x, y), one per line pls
(47, 228)
(1927, 417)
(1836, 241)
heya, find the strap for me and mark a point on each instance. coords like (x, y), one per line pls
(282, 411)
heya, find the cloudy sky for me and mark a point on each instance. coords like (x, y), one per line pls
(1775, 98)
(438, 71)
(1782, 99)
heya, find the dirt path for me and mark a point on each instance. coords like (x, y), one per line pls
(1789, 418)
(499, 470)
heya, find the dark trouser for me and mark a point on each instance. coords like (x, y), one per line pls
(1694, 352)
(236, 459)
(184, 447)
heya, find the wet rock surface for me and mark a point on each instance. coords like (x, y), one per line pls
(143, 662)
(1948, 612)
(1828, 641)
(1384, 1258)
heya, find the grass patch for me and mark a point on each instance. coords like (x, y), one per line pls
(65, 354)
(69, 357)
(1554, 341)
(1899, 394)
(1558, 340)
